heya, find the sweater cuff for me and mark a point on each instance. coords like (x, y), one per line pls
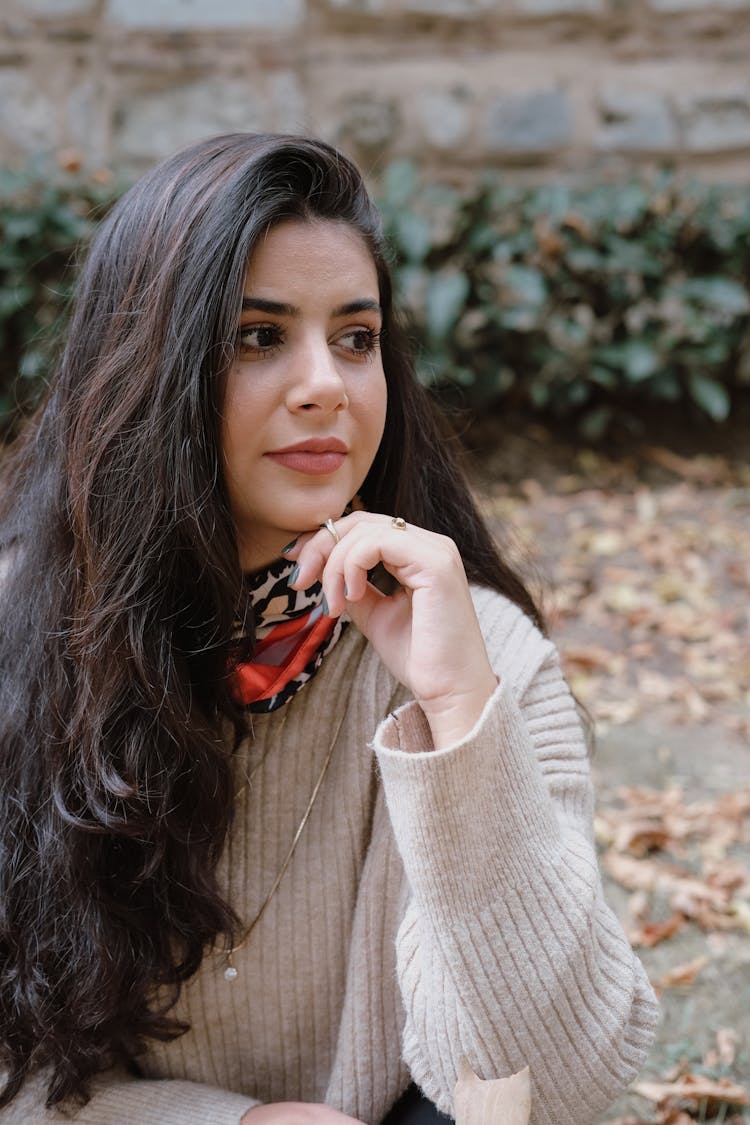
(473, 817)
(167, 1102)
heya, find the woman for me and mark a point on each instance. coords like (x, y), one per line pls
(218, 903)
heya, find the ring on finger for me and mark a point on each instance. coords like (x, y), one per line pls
(398, 523)
(329, 525)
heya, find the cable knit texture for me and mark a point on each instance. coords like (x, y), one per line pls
(439, 904)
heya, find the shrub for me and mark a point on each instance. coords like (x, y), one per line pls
(42, 221)
(592, 302)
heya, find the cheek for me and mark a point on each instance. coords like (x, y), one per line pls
(376, 406)
(247, 405)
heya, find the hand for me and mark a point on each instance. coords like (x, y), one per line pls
(296, 1113)
(427, 632)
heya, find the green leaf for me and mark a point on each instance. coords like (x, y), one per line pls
(481, 239)
(595, 423)
(400, 183)
(527, 284)
(32, 364)
(578, 392)
(666, 386)
(13, 298)
(719, 293)
(637, 359)
(411, 285)
(710, 396)
(539, 394)
(518, 318)
(412, 232)
(602, 376)
(446, 296)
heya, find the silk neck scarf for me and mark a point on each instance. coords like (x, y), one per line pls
(292, 635)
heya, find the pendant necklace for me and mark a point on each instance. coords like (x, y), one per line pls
(231, 972)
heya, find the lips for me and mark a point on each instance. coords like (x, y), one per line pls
(313, 456)
(314, 445)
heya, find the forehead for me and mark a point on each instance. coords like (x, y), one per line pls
(296, 254)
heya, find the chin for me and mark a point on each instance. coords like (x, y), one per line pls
(312, 515)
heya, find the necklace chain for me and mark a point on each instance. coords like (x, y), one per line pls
(247, 782)
(230, 971)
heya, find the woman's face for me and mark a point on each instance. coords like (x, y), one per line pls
(306, 395)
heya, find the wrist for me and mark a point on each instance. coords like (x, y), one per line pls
(451, 717)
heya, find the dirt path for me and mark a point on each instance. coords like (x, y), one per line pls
(645, 567)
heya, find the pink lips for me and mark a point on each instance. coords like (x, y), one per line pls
(314, 456)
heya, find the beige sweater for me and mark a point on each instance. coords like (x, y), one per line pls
(438, 904)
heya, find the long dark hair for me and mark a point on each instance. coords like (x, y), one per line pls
(121, 582)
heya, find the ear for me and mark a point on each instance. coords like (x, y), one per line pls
(499, 1101)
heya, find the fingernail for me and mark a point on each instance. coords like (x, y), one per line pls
(294, 575)
(287, 549)
(326, 611)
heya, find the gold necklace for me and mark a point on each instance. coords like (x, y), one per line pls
(248, 779)
(231, 972)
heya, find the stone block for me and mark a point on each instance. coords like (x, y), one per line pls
(530, 124)
(286, 99)
(445, 116)
(55, 8)
(364, 7)
(88, 120)
(205, 14)
(694, 5)
(30, 118)
(369, 122)
(153, 124)
(559, 7)
(715, 120)
(636, 121)
(445, 7)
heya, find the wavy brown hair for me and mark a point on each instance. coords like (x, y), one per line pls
(121, 583)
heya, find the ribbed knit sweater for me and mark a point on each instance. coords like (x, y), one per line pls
(438, 904)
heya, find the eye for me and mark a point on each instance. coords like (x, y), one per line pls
(260, 339)
(360, 341)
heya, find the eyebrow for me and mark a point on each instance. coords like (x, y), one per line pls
(279, 308)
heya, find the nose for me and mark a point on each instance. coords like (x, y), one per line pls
(316, 382)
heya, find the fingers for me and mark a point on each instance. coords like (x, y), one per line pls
(342, 564)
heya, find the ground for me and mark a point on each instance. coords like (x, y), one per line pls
(641, 556)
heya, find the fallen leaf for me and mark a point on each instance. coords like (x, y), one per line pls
(651, 933)
(695, 1089)
(499, 1101)
(686, 973)
(701, 470)
(727, 1041)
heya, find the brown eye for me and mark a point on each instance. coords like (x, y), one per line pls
(361, 341)
(260, 338)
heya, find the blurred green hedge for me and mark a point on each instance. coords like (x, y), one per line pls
(596, 303)
(44, 219)
(600, 302)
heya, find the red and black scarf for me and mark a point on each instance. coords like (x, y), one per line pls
(292, 635)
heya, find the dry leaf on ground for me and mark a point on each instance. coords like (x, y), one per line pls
(686, 973)
(501, 1101)
(695, 1088)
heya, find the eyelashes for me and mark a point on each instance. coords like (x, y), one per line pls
(264, 339)
(259, 341)
(368, 340)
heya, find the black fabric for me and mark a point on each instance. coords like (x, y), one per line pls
(412, 1108)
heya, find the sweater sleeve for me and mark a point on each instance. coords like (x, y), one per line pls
(119, 1099)
(507, 952)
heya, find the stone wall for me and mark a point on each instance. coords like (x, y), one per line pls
(540, 88)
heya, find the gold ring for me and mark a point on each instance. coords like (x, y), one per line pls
(398, 523)
(330, 526)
